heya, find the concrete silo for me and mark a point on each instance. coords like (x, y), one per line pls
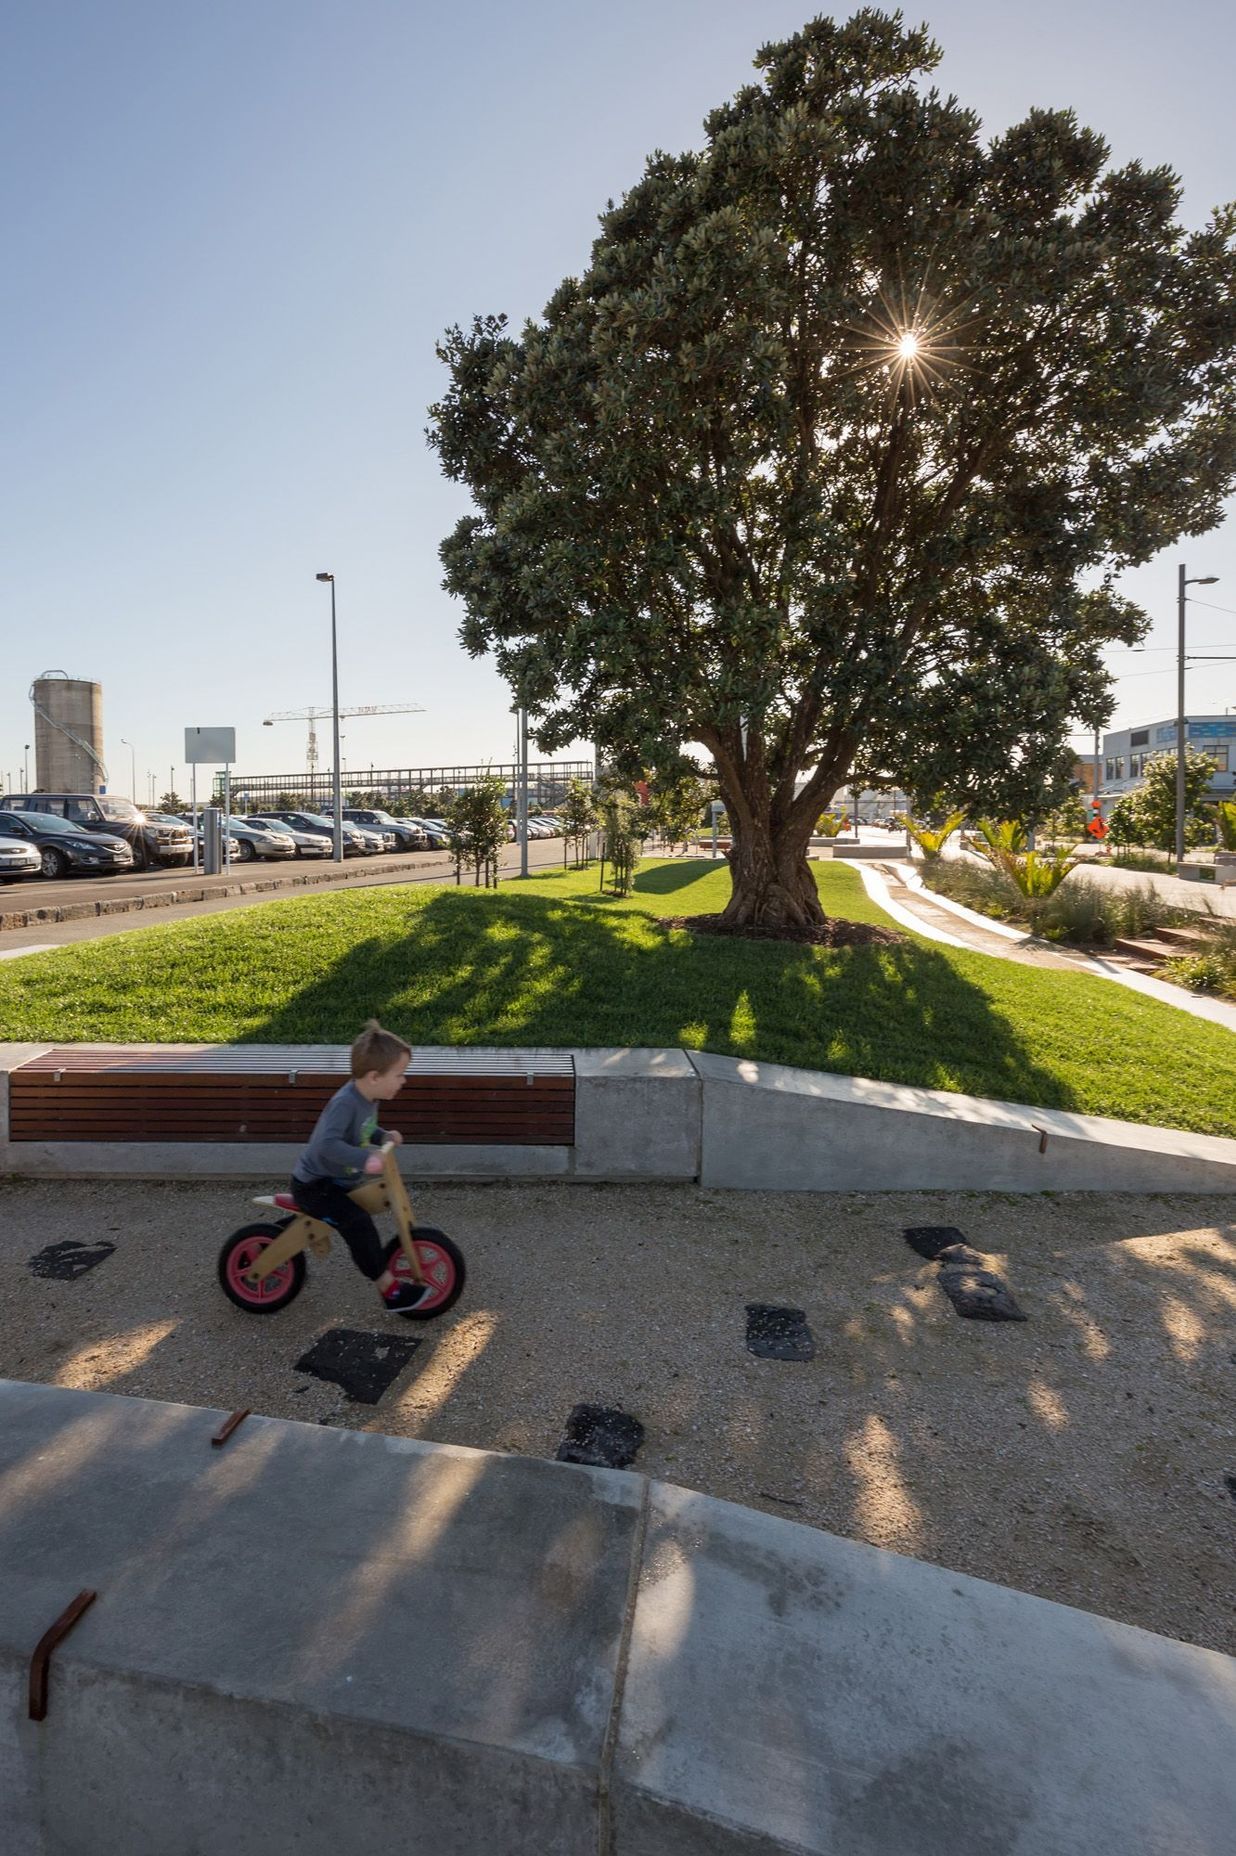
(68, 734)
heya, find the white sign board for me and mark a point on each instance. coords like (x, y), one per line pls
(210, 747)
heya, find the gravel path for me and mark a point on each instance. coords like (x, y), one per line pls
(1088, 1455)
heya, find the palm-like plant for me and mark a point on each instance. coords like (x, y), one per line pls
(931, 842)
(1037, 873)
(1225, 820)
(1001, 835)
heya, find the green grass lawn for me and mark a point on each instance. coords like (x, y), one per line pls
(551, 962)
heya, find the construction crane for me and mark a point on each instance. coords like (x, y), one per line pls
(313, 716)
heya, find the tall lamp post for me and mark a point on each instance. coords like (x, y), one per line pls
(336, 788)
(132, 767)
(25, 785)
(1183, 582)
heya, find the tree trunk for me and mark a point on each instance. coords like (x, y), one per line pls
(773, 883)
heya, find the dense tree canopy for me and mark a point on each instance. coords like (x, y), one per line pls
(828, 459)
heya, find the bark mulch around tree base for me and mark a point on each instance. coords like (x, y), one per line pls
(835, 932)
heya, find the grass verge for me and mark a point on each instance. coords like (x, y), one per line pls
(550, 962)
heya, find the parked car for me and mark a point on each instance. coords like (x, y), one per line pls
(110, 816)
(304, 843)
(18, 858)
(353, 843)
(436, 827)
(169, 818)
(408, 835)
(251, 841)
(63, 849)
(436, 833)
(248, 842)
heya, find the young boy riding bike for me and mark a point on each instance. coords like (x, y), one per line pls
(340, 1154)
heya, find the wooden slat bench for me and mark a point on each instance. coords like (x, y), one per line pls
(275, 1093)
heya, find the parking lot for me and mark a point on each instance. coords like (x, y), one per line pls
(1087, 1455)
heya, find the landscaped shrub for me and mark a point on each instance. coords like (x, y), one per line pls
(1081, 913)
(975, 886)
(1213, 971)
(1225, 823)
(930, 840)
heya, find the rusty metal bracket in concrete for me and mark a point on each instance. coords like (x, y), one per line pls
(46, 1644)
(229, 1425)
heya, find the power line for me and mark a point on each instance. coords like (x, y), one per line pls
(1211, 607)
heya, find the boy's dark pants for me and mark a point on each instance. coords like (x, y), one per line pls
(322, 1198)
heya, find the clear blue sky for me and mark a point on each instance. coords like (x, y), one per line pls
(232, 234)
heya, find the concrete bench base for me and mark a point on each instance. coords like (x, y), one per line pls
(678, 1115)
(320, 1641)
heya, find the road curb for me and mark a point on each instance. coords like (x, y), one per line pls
(202, 891)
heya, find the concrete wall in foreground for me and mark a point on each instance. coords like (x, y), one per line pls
(322, 1641)
(678, 1115)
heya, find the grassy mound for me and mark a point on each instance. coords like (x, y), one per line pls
(551, 962)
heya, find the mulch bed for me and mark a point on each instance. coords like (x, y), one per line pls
(835, 932)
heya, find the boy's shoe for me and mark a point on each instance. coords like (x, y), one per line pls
(402, 1296)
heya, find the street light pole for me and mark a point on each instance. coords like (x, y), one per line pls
(25, 785)
(336, 789)
(1182, 583)
(521, 797)
(132, 767)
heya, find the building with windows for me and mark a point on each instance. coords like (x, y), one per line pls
(1127, 751)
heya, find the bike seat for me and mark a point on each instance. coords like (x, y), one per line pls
(286, 1202)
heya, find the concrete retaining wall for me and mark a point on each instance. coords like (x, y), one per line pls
(686, 1115)
(316, 1641)
(766, 1124)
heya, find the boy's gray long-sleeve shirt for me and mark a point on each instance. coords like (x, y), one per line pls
(342, 1140)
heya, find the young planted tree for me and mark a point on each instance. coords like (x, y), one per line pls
(476, 822)
(813, 462)
(622, 838)
(579, 818)
(1151, 807)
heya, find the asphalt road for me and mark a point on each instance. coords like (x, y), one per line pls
(357, 873)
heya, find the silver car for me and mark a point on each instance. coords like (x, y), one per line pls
(17, 860)
(252, 842)
(304, 843)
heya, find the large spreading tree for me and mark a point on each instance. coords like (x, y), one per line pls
(828, 460)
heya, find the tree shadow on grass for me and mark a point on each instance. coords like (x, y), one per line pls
(664, 879)
(534, 971)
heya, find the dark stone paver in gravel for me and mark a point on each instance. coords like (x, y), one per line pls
(978, 1294)
(601, 1436)
(778, 1333)
(66, 1261)
(365, 1365)
(930, 1239)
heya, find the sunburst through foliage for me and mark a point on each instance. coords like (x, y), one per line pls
(918, 338)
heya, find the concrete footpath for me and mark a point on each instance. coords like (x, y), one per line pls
(319, 1641)
(900, 891)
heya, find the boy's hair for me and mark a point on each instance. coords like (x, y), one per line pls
(378, 1050)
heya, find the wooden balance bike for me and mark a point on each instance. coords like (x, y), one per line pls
(262, 1266)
